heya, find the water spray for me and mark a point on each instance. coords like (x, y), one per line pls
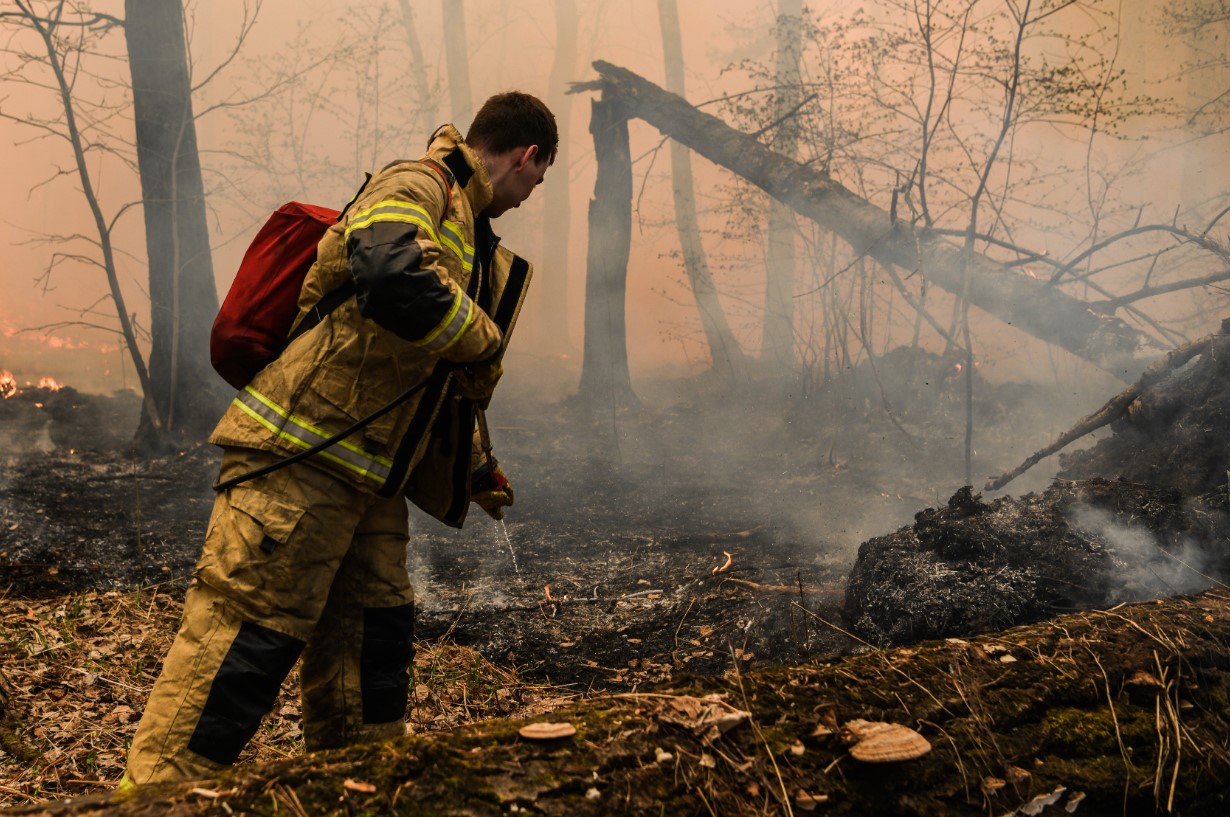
(484, 439)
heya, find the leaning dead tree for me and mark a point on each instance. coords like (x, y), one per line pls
(1104, 713)
(1029, 304)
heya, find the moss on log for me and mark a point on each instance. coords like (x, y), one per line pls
(1104, 713)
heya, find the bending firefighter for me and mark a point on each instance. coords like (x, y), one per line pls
(309, 560)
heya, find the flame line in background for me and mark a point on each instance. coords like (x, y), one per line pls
(9, 387)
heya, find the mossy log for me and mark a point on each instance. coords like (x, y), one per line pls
(1104, 713)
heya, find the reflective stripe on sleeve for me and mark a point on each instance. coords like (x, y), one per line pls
(454, 325)
(452, 237)
(449, 235)
(287, 426)
(390, 210)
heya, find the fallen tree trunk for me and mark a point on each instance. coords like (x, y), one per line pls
(1103, 713)
(1029, 304)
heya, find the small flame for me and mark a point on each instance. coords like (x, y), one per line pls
(723, 568)
(9, 387)
(547, 589)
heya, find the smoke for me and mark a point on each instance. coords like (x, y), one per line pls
(1149, 569)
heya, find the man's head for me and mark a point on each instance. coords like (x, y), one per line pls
(515, 136)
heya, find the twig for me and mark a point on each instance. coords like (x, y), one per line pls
(684, 618)
(823, 620)
(778, 588)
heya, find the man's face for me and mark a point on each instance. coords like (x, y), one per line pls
(525, 172)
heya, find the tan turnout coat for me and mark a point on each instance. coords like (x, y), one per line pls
(426, 301)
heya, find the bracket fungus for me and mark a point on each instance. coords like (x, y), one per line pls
(877, 742)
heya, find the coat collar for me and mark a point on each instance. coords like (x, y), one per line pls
(449, 148)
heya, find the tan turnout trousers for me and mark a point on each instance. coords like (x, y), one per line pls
(295, 562)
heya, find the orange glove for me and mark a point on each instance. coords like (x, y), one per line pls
(489, 489)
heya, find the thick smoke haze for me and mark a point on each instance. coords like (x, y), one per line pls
(298, 99)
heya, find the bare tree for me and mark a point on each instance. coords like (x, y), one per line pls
(457, 58)
(66, 34)
(183, 299)
(777, 346)
(557, 195)
(726, 354)
(425, 98)
(605, 379)
(1205, 26)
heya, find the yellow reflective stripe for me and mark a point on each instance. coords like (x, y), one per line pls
(287, 426)
(452, 237)
(469, 319)
(379, 479)
(454, 326)
(313, 429)
(391, 210)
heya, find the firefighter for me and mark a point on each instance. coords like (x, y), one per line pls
(309, 560)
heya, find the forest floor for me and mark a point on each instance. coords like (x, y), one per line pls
(702, 537)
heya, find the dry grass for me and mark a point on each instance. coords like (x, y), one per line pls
(81, 667)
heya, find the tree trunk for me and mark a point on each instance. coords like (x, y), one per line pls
(777, 347)
(425, 100)
(183, 298)
(724, 350)
(457, 60)
(1029, 304)
(553, 280)
(604, 371)
(1105, 713)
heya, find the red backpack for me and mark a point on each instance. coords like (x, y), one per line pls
(252, 325)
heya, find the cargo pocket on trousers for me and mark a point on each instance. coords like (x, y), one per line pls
(275, 517)
(243, 551)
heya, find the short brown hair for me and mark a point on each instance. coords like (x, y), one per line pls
(513, 120)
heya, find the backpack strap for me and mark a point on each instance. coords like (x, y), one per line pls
(332, 300)
(320, 310)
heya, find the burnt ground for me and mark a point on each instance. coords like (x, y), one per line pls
(626, 514)
(629, 555)
(695, 535)
(698, 532)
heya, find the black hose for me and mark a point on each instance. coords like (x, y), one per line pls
(321, 446)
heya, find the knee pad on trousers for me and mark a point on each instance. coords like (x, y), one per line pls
(244, 689)
(384, 663)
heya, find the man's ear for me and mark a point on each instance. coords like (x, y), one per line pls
(527, 156)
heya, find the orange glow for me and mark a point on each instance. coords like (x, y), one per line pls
(49, 383)
(8, 385)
